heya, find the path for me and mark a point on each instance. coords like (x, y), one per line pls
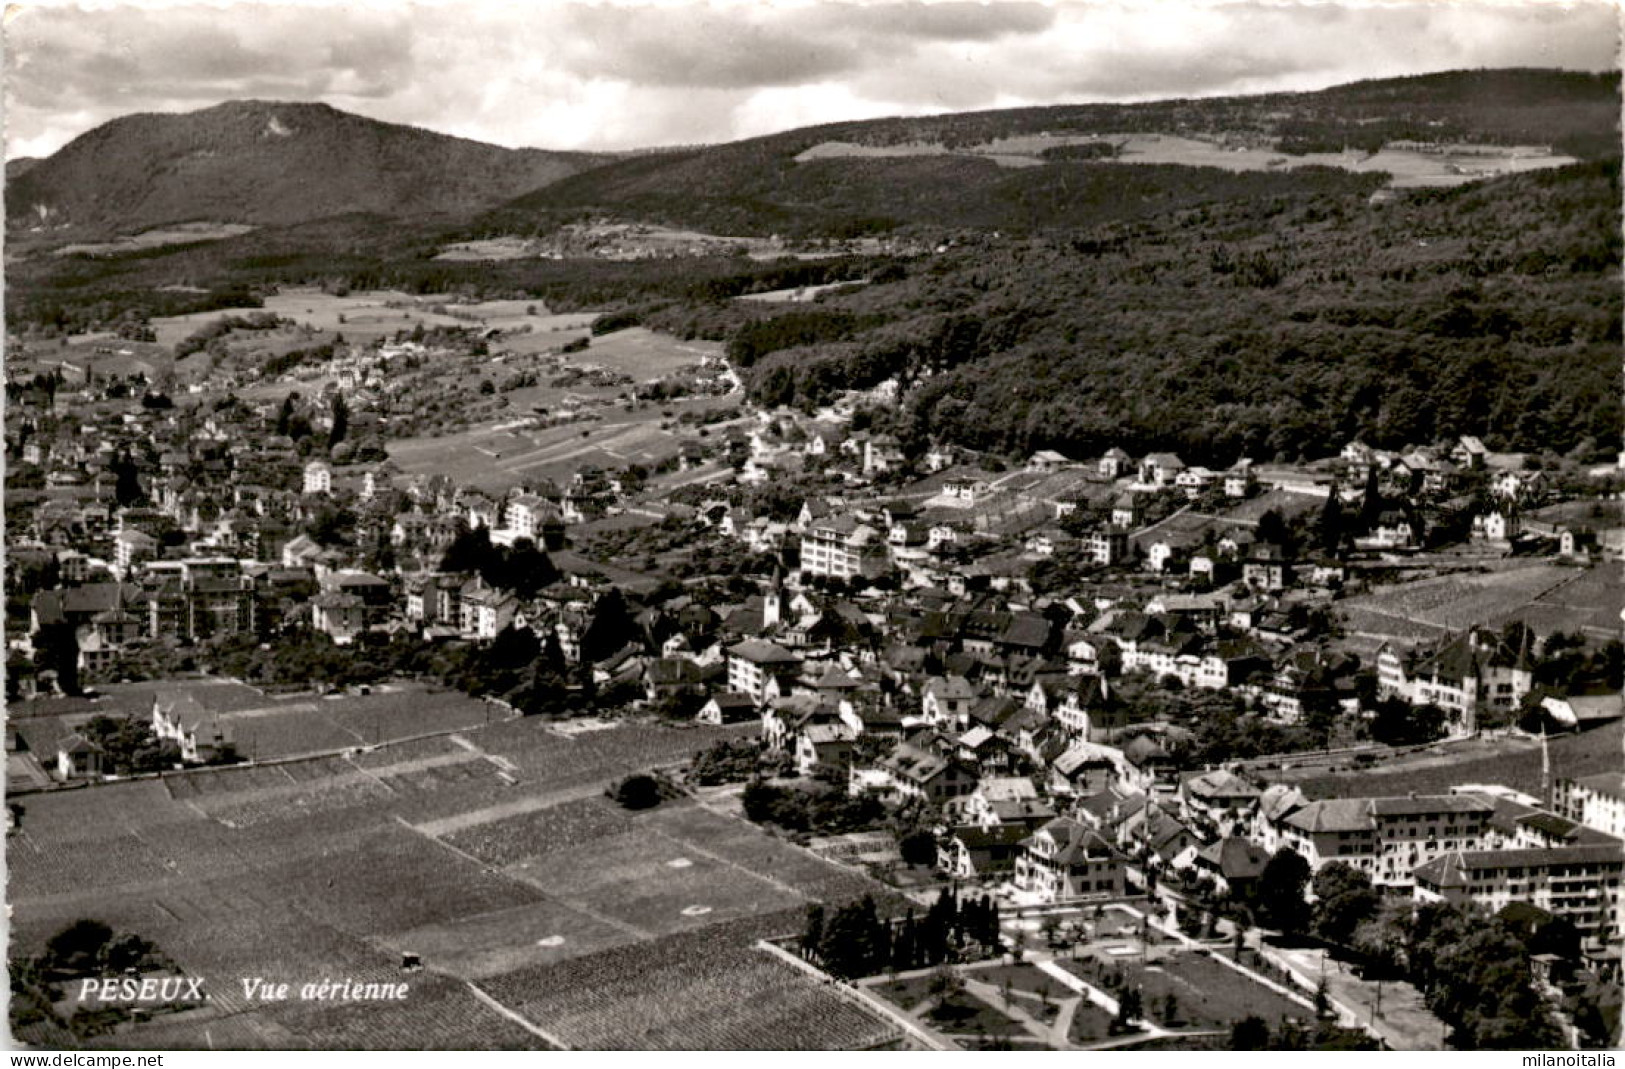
(1404, 1023)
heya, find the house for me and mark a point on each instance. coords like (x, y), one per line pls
(825, 747)
(1048, 460)
(1596, 801)
(912, 772)
(1239, 479)
(727, 708)
(1218, 798)
(1387, 838)
(1234, 863)
(881, 454)
(1267, 568)
(842, 548)
(672, 677)
(1127, 510)
(971, 851)
(1580, 884)
(1497, 526)
(761, 670)
(1067, 859)
(1160, 469)
(201, 736)
(131, 548)
(318, 477)
(339, 616)
(1478, 671)
(77, 757)
(948, 701)
(1114, 463)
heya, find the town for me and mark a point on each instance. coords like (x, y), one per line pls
(1129, 751)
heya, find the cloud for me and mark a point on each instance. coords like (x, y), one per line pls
(620, 75)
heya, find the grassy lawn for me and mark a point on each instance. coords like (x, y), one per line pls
(1205, 993)
(1090, 1024)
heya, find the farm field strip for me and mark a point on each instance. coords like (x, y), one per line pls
(708, 988)
(500, 941)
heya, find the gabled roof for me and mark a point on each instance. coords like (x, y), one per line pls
(1235, 858)
(759, 652)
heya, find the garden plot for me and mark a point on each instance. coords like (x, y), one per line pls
(1455, 602)
(1188, 989)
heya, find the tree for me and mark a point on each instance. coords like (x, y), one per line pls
(610, 628)
(1343, 900)
(1281, 890)
(1130, 1007)
(919, 847)
(56, 649)
(77, 949)
(341, 421)
(640, 791)
(812, 935)
(126, 480)
(1250, 1033)
(1329, 530)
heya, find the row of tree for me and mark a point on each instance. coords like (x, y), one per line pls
(855, 940)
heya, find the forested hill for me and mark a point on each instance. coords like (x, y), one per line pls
(1265, 328)
(271, 163)
(757, 186)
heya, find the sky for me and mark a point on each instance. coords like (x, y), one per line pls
(620, 75)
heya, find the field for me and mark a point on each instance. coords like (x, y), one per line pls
(1409, 168)
(180, 234)
(1432, 607)
(482, 859)
(709, 989)
(1508, 762)
(496, 457)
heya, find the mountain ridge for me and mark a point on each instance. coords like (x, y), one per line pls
(266, 163)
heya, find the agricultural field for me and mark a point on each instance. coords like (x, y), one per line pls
(1514, 763)
(653, 884)
(499, 456)
(707, 989)
(1592, 602)
(1453, 602)
(158, 237)
(310, 869)
(1410, 169)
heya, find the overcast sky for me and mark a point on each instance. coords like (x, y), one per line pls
(602, 76)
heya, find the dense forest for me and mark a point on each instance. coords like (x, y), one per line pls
(1278, 327)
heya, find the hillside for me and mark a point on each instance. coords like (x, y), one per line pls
(758, 186)
(267, 164)
(1270, 327)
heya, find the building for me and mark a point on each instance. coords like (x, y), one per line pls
(1580, 884)
(1387, 838)
(1595, 801)
(761, 670)
(1478, 672)
(78, 757)
(1067, 859)
(840, 547)
(201, 736)
(318, 477)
